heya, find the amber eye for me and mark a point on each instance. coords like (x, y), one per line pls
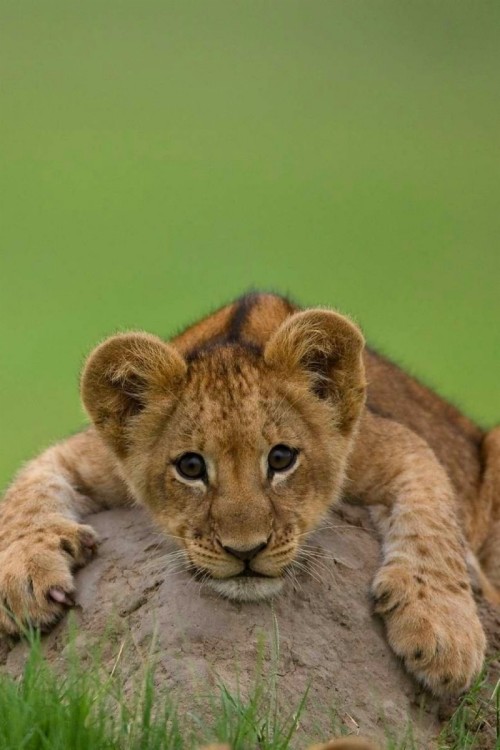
(191, 466)
(281, 457)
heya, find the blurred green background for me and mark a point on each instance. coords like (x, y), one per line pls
(159, 158)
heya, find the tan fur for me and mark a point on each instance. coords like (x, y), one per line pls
(256, 374)
(344, 743)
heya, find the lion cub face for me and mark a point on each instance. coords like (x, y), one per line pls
(237, 452)
(247, 464)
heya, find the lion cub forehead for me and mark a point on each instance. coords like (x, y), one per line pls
(228, 389)
(227, 372)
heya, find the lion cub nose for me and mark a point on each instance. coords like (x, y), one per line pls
(245, 554)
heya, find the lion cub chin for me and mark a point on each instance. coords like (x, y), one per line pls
(246, 589)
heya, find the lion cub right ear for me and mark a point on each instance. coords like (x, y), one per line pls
(122, 375)
(328, 348)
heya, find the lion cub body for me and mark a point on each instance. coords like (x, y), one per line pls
(257, 375)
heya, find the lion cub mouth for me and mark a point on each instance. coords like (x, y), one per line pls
(249, 573)
(247, 586)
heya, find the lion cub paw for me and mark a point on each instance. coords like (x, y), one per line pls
(36, 581)
(432, 624)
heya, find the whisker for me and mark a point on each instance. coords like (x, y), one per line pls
(313, 552)
(319, 559)
(343, 527)
(168, 558)
(326, 562)
(320, 563)
(306, 569)
(310, 554)
(292, 577)
(172, 553)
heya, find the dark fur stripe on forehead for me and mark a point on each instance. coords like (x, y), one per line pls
(248, 323)
(234, 333)
(240, 315)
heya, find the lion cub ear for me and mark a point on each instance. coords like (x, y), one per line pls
(328, 348)
(122, 375)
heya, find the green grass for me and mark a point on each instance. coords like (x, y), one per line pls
(475, 724)
(77, 706)
(81, 707)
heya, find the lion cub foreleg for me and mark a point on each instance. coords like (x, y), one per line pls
(41, 538)
(422, 589)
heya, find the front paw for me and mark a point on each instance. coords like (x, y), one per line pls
(36, 581)
(432, 624)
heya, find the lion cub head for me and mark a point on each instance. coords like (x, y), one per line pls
(237, 450)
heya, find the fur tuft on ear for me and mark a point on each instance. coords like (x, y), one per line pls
(122, 375)
(328, 348)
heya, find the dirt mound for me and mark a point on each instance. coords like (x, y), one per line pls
(328, 637)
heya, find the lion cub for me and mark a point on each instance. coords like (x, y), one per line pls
(239, 435)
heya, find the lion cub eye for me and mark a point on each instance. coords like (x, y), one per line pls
(191, 466)
(281, 457)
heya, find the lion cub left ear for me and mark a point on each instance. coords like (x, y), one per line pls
(122, 376)
(328, 349)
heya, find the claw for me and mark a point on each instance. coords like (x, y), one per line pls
(89, 541)
(60, 596)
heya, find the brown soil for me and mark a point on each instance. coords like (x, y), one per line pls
(328, 637)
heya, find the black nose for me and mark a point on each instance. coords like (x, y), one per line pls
(246, 554)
